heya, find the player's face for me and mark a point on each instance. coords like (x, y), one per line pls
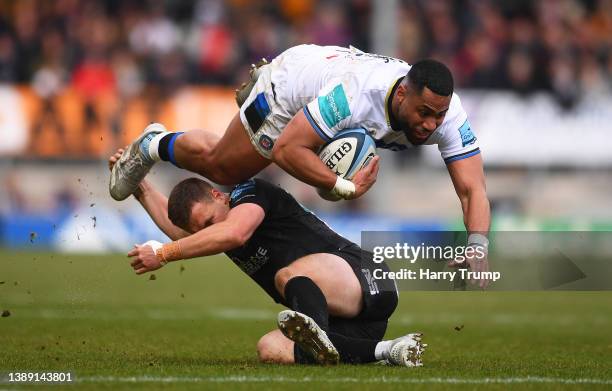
(209, 212)
(420, 114)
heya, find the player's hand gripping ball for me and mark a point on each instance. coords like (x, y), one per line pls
(345, 154)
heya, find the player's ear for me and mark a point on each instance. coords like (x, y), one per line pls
(402, 92)
(216, 194)
(402, 89)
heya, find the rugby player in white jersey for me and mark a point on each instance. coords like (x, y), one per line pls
(304, 97)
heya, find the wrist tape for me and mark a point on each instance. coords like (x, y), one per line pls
(343, 188)
(169, 252)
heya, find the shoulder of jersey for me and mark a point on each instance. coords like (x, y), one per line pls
(242, 188)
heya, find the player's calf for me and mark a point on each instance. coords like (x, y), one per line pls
(195, 151)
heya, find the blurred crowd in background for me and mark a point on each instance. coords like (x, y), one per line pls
(123, 46)
(78, 78)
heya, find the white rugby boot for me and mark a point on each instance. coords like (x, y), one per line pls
(132, 167)
(406, 351)
(305, 332)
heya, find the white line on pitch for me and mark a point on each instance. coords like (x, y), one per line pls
(383, 379)
(235, 313)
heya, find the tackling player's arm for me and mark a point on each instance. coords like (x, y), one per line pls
(294, 152)
(469, 181)
(154, 203)
(226, 235)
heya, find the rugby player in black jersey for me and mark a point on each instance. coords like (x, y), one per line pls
(337, 310)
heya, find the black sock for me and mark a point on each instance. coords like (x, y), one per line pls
(354, 350)
(162, 149)
(351, 350)
(303, 295)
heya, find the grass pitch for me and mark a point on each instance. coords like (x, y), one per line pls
(196, 324)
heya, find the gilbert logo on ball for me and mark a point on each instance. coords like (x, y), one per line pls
(341, 152)
(348, 151)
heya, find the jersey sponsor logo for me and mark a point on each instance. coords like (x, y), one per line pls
(254, 263)
(467, 137)
(266, 142)
(334, 106)
(371, 283)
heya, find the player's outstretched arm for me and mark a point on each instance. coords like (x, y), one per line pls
(469, 181)
(227, 235)
(154, 203)
(294, 152)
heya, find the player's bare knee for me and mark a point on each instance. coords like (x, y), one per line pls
(263, 349)
(270, 350)
(283, 276)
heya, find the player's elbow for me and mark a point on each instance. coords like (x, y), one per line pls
(237, 237)
(478, 193)
(471, 191)
(281, 152)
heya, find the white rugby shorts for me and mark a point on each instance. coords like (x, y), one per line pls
(265, 112)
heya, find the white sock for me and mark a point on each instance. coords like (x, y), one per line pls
(154, 146)
(382, 350)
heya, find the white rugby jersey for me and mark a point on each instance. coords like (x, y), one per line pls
(342, 88)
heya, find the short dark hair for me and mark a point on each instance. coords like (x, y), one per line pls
(433, 75)
(182, 198)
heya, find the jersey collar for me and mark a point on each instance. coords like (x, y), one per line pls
(391, 121)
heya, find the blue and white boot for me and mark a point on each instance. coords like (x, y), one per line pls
(133, 165)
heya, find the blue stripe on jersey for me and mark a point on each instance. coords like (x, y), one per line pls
(316, 126)
(462, 156)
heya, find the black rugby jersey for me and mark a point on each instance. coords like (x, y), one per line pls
(287, 232)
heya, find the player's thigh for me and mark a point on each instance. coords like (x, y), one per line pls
(333, 275)
(274, 347)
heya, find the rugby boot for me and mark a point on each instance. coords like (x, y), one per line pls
(132, 167)
(406, 351)
(245, 89)
(305, 332)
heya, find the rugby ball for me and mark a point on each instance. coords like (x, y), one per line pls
(348, 151)
(345, 154)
